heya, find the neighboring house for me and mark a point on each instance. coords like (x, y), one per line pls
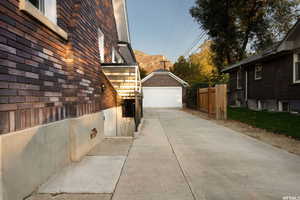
(269, 80)
(56, 103)
(163, 89)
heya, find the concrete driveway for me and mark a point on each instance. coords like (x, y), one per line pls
(179, 156)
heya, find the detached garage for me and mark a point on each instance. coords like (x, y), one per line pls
(162, 89)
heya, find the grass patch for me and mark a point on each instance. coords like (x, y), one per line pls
(281, 123)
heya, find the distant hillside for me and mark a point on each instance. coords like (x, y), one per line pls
(150, 63)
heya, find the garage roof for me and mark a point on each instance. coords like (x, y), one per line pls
(165, 72)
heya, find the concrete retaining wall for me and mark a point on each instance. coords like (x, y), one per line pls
(110, 123)
(125, 126)
(80, 134)
(29, 157)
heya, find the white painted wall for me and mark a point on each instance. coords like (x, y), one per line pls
(162, 97)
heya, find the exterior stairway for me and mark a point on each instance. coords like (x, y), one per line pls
(125, 79)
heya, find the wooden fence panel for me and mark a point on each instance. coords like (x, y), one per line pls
(221, 102)
(213, 101)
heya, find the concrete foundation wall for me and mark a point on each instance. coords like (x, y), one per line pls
(272, 105)
(295, 106)
(1, 181)
(29, 157)
(110, 123)
(252, 104)
(125, 126)
(80, 134)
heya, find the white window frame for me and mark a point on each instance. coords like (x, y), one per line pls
(238, 79)
(113, 55)
(101, 45)
(41, 7)
(296, 60)
(255, 72)
(46, 10)
(46, 13)
(259, 105)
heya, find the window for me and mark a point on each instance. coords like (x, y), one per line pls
(296, 68)
(45, 11)
(239, 79)
(283, 106)
(47, 7)
(101, 45)
(258, 72)
(38, 4)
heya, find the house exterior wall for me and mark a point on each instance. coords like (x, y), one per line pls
(276, 85)
(276, 82)
(45, 78)
(50, 91)
(236, 96)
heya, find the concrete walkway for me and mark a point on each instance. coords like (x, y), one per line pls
(94, 178)
(179, 156)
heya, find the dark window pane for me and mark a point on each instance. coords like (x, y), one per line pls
(35, 3)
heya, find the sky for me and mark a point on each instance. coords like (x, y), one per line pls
(162, 26)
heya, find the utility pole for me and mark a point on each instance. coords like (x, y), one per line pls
(164, 62)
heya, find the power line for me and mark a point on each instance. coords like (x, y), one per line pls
(195, 44)
(204, 40)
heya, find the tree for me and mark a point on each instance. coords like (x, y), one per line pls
(199, 68)
(143, 73)
(237, 26)
(204, 59)
(185, 70)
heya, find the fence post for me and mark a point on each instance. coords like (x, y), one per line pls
(221, 102)
(208, 101)
(198, 100)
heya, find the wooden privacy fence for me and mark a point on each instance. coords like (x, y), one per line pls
(213, 100)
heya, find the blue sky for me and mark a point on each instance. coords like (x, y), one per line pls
(162, 26)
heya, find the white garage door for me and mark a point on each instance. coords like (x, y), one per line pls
(162, 97)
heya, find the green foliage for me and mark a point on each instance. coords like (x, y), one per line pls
(236, 26)
(199, 68)
(281, 123)
(185, 70)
